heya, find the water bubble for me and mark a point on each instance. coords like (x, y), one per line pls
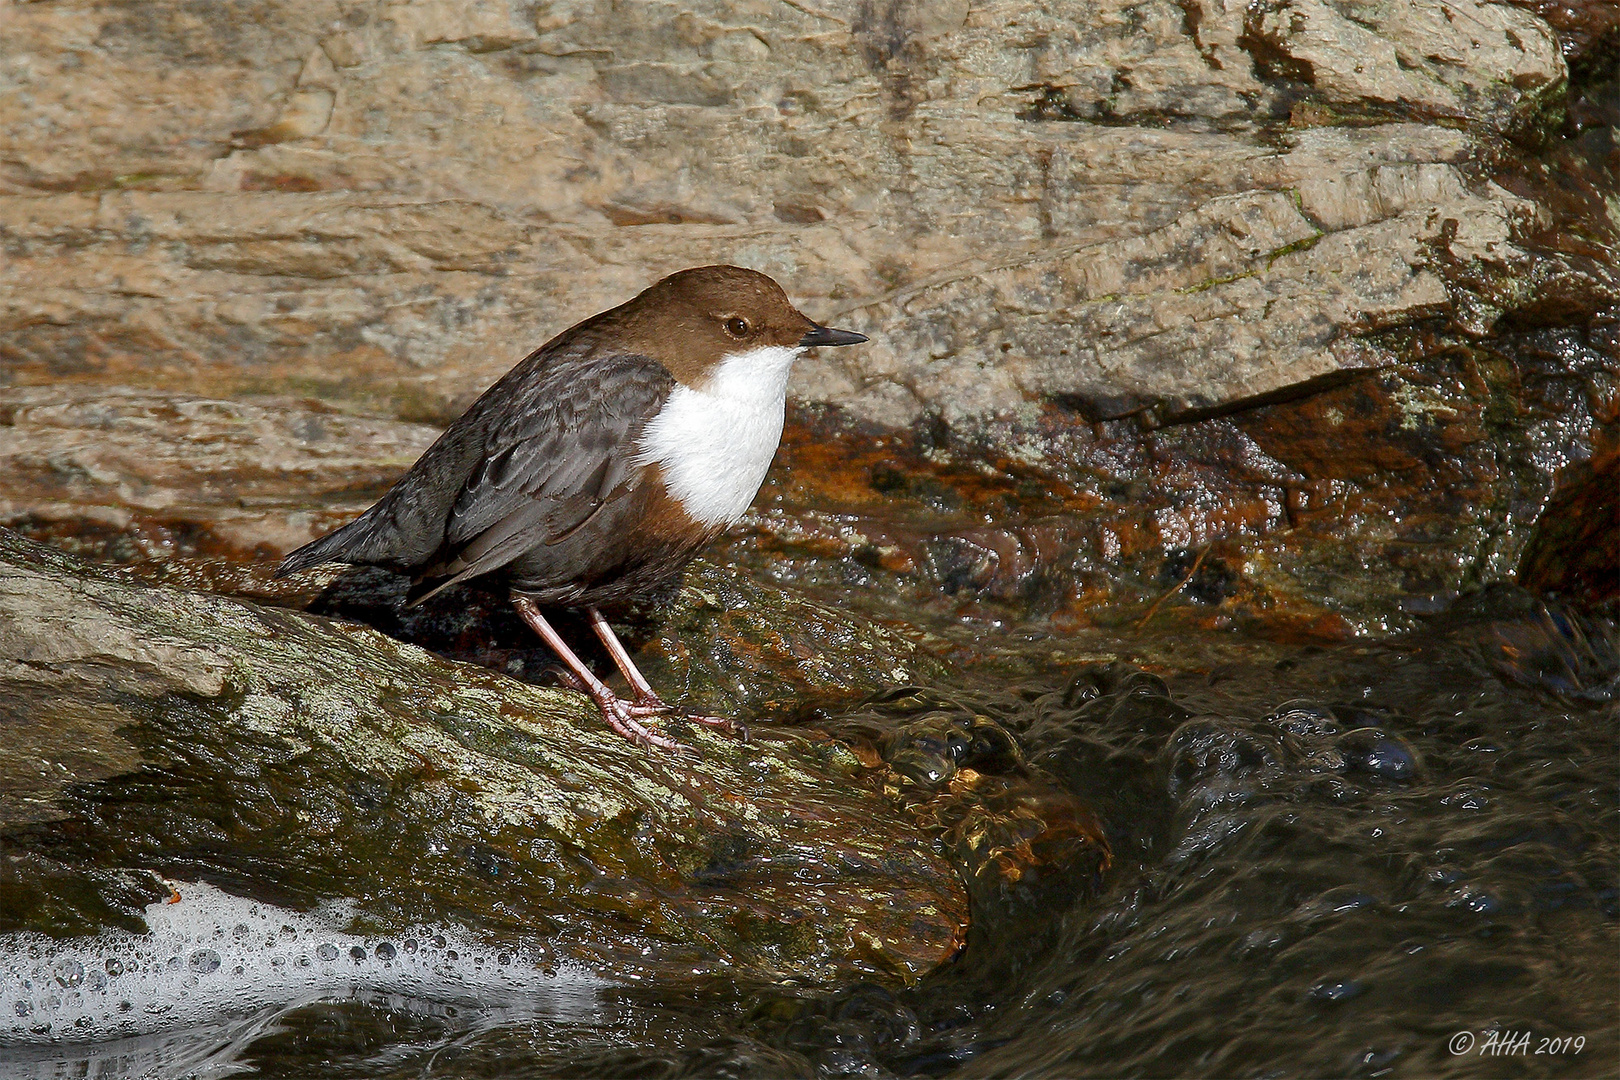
(439, 942)
(241, 930)
(1336, 991)
(185, 970)
(1373, 751)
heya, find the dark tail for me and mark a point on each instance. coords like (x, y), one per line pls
(335, 546)
(402, 531)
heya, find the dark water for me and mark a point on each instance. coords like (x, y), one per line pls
(1346, 861)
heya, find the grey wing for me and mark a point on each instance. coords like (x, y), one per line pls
(550, 468)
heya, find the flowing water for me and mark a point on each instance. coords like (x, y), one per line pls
(1397, 857)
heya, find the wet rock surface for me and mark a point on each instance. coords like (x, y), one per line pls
(296, 759)
(1576, 545)
(1354, 508)
(1358, 850)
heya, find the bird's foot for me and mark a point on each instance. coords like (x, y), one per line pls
(625, 717)
(621, 717)
(735, 728)
(653, 705)
(629, 714)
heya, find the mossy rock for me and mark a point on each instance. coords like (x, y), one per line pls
(294, 758)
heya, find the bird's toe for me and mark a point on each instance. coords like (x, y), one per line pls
(722, 723)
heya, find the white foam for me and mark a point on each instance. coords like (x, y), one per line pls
(213, 957)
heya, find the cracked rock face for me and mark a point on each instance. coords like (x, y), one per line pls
(1131, 205)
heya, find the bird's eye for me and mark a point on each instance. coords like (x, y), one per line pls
(737, 328)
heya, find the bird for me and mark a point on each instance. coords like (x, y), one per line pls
(590, 474)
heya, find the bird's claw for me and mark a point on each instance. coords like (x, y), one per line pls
(621, 717)
(656, 706)
(653, 705)
(722, 723)
(625, 717)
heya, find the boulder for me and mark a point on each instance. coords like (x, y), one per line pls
(1139, 206)
(295, 759)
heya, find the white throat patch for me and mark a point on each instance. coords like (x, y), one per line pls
(716, 442)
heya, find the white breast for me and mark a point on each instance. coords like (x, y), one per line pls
(716, 442)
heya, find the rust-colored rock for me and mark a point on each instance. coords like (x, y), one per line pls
(1575, 549)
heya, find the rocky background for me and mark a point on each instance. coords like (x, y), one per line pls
(1299, 318)
(1318, 296)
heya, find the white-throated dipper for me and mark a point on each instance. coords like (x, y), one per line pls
(594, 470)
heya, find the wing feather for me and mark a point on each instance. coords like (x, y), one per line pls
(549, 468)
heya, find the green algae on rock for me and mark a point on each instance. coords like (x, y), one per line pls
(296, 759)
(724, 642)
(731, 643)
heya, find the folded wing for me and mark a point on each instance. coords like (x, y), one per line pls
(549, 468)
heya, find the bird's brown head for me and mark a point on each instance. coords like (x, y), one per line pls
(692, 320)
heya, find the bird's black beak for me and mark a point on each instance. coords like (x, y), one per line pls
(826, 335)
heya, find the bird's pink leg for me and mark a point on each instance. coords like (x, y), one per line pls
(620, 715)
(648, 703)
